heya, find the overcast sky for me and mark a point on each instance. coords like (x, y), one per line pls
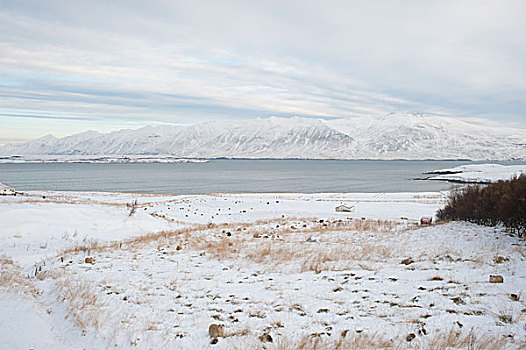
(69, 66)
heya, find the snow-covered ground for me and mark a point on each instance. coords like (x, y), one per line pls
(279, 271)
(479, 173)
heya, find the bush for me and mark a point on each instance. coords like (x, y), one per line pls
(503, 202)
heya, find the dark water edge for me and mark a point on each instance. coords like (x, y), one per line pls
(228, 175)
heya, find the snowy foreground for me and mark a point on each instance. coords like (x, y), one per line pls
(279, 271)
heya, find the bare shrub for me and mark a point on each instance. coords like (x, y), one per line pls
(508, 314)
(502, 202)
(132, 207)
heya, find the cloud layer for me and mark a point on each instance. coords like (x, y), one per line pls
(66, 66)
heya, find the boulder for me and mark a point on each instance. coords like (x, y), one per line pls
(496, 279)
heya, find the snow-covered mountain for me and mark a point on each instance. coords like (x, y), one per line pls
(393, 136)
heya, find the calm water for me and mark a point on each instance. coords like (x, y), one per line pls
(308, 176)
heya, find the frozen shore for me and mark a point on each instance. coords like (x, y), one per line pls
(106, 270)
(99, 159)
(478, 173)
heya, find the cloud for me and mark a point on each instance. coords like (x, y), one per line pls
(183, 62)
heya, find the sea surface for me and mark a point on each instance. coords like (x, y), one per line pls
(307, 176)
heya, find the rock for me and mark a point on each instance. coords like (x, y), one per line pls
(458, 301)
(514, 297)
(216, 330)
(407, 261)
(496, 279)
(89, 260)
(500, 259)
(214, 341)
(344, 333)
(320, 334)
(410, 336)
(266, 338)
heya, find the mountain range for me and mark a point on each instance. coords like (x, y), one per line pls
(392, 136)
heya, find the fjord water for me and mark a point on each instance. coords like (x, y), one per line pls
(307, 176)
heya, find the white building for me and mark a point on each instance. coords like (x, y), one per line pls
(345, 208)
(6, 189)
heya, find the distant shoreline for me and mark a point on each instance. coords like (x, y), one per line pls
(121, 159)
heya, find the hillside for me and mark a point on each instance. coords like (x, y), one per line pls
(393, 136)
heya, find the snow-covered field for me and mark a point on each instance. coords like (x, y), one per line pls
(279, 271)
(479, 173)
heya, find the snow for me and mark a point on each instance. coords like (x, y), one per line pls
(25, 325)
(479, 173)
(393, 136)
(77, 268)
(22, 326)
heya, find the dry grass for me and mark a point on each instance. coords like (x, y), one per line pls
(457, 340)
(75, 200)
(355, 342)
(258, 227)
(48, 200)
(82, 302)
(508, 314)
(13, 280)
(286, 248)
(436, 278)
(300, 256)
(164, 217)
(356, 225)
(284, 242)
(446, 340)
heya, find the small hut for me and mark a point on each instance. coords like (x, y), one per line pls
(6, 189)
(345, 208)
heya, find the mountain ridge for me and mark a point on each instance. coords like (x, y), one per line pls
(392, 136)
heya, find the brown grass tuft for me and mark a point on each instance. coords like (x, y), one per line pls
(13, 279)
(457, 340)
(82, 301)
(349, 342)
